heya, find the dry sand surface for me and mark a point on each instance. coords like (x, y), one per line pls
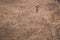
(29, 19)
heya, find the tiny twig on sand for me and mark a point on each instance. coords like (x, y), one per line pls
(37, 6)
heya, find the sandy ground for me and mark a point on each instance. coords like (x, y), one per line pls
(23, 20)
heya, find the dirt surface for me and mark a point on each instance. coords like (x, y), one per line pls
(29, 19)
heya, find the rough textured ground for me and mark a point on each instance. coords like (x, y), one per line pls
(20, 21)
